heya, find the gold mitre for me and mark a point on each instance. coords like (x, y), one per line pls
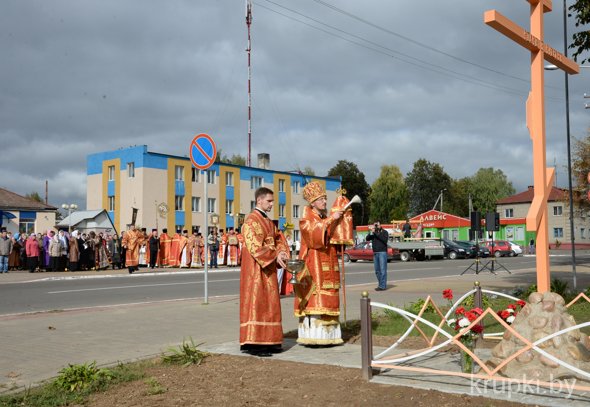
(313, 191)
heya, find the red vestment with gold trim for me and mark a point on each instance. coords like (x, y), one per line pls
(164, 251)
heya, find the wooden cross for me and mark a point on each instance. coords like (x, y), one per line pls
(535, 119)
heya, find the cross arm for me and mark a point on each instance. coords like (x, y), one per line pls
(522, 37)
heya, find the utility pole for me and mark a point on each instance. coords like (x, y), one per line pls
(248, 50)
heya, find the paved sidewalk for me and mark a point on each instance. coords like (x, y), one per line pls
(36, 346)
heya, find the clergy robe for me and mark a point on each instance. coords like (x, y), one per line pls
(233, 249)
(174, 254)
(164, 251)
(132, 240)
(260, 306)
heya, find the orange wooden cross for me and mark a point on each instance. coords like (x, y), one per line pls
(535, 119)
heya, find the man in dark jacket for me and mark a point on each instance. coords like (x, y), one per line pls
(379, 238)
(5, 249)
(154, 246)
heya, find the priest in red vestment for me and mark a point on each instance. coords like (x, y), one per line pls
(317, 297)
(261, 329)
(233, 248)
(164, 251)
(174, 254)
(132, 241)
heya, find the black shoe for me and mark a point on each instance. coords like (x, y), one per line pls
(131, 271)
(380, 289)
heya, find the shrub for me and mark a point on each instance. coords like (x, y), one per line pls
(186, 354)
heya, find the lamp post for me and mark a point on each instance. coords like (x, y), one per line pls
(441, 198)
(69, 208)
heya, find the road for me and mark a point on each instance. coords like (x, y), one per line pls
(103, 290)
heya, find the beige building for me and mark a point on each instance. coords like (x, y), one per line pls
(166, 191)
(513, 211)
(19, 214)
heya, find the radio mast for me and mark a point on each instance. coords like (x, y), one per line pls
(248, 50)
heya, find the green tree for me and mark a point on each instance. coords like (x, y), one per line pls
(308, 171)
(353, 180)
(425, 182)
(35, 197)
(456, 201)
(581, 40)
(487, 187)
(389, 196)
(580, 171)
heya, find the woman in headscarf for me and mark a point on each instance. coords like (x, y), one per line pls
(14, 256)
(101, 259)
(54, 253)
(32, 250)
(65, 242)
(74, 254)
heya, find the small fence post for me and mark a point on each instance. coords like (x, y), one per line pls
(366, 337)
(478, 302)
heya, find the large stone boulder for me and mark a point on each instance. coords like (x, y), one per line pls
(543, 315)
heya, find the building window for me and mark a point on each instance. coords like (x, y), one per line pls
(210, 177)
(229, 179)
(196, 204)
(26, 225)
(295, 211)
(557, 210)
(281, 211)
(210, 205)
(179, 203)
(178, 228)
(131, 170)
(508, 213)
(194, 174)
(111, 203)
(557, 232)
(111, 172)
(295, 236)
(229, 206)
(295, 187)
(252, 205)
(255, 182)
(583, 233)
(281, 185)
(179, 173)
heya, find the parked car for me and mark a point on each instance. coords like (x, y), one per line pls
(499, 247)
(364, 251)
(516, 249)
(453, 250)
(471, 248)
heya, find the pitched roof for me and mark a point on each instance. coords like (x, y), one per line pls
(12, 201)
(79, 216)
(556, 194)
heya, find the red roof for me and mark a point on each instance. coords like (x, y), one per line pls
(556, 194)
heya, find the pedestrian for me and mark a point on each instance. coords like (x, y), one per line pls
(74, 253)
(14, 259)
(379, 237)
(532, 246)
(407, 229)
(47, 256)
(317, 298)
(33, 249)
(154, 246)
(64, 240)
(114, 246)
(132, 241)
(261, 328)
(123, 251)
(213, 242)
(101, 256)
(5, 249)
(54, 253)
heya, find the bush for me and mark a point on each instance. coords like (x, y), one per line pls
(187, 354)
(76, 378)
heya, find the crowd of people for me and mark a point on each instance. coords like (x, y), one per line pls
(79, 251)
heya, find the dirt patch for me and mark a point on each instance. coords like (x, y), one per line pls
(224, 380)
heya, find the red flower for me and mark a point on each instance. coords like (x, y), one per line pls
(512, 306)
(504, 314)
(471, 316)
(521, 303)
(477, 329)
(478, 311)
(448, 294)
(460, 311)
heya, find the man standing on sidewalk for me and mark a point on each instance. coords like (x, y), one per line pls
(154, 246)
(5, 249)
(261, 328)
(132, 241)
(379, 238)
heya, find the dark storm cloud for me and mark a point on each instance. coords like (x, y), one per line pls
(88, 76)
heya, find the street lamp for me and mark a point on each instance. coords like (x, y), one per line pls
(69, 208)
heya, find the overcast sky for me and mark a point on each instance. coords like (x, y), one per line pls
(375, 82)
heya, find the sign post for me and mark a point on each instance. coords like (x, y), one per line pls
(203, 152)
(535, 119)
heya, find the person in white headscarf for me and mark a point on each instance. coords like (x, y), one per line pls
(74, 253)
(54, 250)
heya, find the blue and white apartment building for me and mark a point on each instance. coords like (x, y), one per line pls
(168, 192)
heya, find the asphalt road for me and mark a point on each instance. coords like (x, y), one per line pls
(105, 290)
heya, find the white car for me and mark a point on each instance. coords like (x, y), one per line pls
(516, 249)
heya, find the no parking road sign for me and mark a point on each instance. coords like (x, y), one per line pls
(203, 151)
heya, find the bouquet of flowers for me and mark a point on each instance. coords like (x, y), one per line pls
(462, 320)
(509, 314)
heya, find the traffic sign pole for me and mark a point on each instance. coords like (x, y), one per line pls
(206, 212)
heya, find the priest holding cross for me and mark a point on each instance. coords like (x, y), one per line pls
(535, 118)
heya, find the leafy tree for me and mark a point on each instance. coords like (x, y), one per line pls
(353, 180)
(424, 184)
(389, 196)
(581, 40)
(308, 171)
(35, 197)
(456, 201)
(580, 170)
(487, 187)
